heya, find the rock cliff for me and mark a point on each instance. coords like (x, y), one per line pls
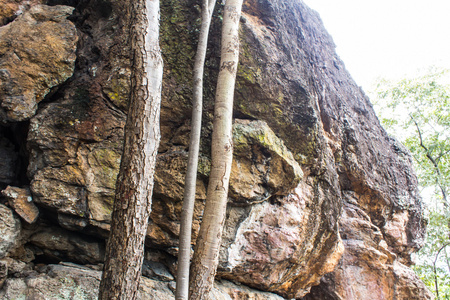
(323, 204)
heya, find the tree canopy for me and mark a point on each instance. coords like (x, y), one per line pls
(416, 111)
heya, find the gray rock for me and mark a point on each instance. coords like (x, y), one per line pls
(9, 230)
(157, 270)
(78, 282)
(57, 243)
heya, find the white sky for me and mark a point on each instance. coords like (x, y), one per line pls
(387, 38)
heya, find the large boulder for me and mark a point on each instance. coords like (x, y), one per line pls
(309, 151)
(37, 52)
(22, 203)
(367, 265)
(10, 9)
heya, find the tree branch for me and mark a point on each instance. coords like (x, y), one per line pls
(433, 161)
(436, 283)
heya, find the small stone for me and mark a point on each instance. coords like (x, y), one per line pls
(21, 201)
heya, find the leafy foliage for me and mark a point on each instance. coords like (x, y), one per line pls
(417, 112)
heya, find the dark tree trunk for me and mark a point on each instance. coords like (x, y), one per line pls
(132, 206)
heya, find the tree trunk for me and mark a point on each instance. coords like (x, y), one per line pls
(206, 253)
(132, 206)
(182, 289)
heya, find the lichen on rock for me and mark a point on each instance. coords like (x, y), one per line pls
(263, 166)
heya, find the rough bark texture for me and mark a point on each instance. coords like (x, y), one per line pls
(187, 212)
(206, 253)
(132, 205)
(316, 186)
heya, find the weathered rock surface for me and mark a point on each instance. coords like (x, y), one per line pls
(70, 281)
(309, 151)
(9, 230)
(21, 201)
(263, 166)
(272, 251)
(56, 244)
(10, 9)
(367, 265)
(37, 52)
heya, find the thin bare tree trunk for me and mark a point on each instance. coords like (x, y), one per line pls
(132, 206)
(207, 248)
(184, 254)
(434, 162)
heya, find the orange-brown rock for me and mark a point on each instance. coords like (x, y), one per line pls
(21, 201)
(37, 52)
(368, 269)
(10, 9)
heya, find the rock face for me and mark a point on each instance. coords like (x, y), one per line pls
(367, 265)
(77, 282)
(37, 52)
(9, 230)
(319, 197)
(10, 9)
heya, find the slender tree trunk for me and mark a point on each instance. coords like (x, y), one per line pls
(184, 254)
(206, 253)
(434, 162)
(132, 206)
(436, 282)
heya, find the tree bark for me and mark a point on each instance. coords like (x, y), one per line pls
(184, 254)
(206, 254)
(132, 206)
